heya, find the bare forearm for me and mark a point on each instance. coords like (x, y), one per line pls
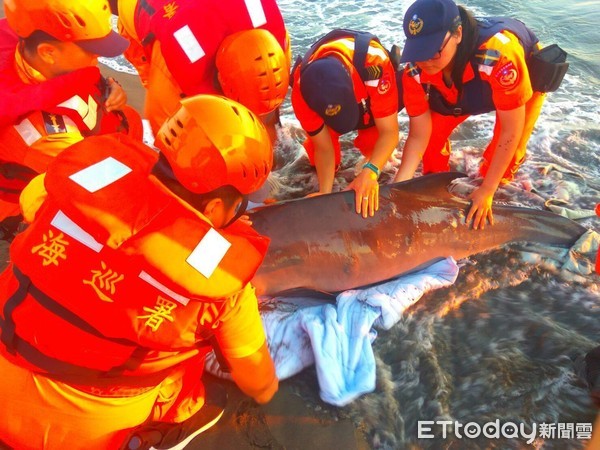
(511, 128)
(324, 159)
(411, 157)
(325, 166)
(387, 140)
(507, 145)
(414, 147)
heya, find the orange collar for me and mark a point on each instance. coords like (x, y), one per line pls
(468, 74)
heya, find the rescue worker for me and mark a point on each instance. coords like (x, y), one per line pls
(347, 82)
(459, 66)
(51, 90)
(232, 47)
(20, 99)
(133, 268)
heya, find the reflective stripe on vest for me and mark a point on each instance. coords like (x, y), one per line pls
(28, 132)
(100, 174)
(87, 110)
(70, 228)
(189, 44)
(256, 12)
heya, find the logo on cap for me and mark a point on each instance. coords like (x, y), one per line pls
(332, 110)
(415, 25)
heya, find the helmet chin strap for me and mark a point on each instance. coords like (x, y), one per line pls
(239, 212)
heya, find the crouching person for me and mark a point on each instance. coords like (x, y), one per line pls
(133, 268)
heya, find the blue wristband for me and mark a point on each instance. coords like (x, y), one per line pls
(372, 167)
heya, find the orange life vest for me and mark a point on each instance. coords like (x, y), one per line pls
(117, 281)
(41, 125)
(190, 33)
(173, 45)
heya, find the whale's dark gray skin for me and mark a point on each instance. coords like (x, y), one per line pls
(321, 244)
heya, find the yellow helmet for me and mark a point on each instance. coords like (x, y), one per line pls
(212, 141)
(86, 22)
(253, 70)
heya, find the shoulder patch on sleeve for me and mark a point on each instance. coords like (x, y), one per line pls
(487, 57)
(54, 123)
(508, 75)
(384, 85)
(413, 70)
(374, 72)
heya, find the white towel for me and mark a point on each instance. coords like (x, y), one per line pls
(337, 337)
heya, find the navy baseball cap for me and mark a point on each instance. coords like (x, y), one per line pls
(327, 89)
(109, 46)
(426, 23)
